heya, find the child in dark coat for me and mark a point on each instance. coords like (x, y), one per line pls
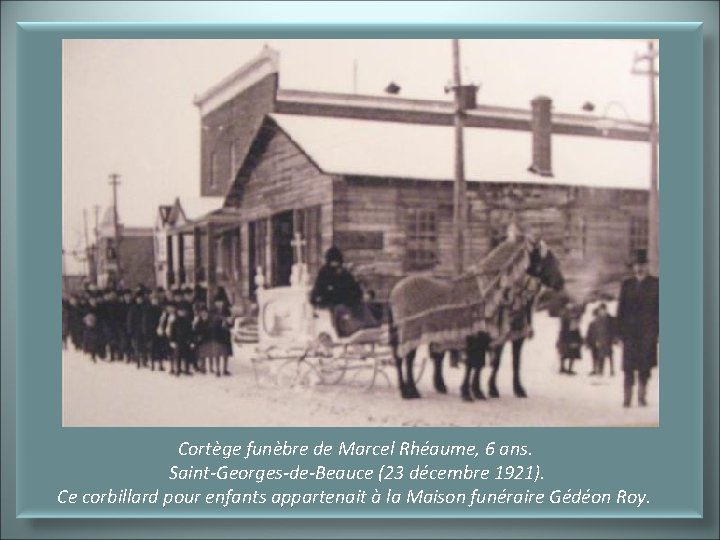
(135, 331)
(180, 339)
(154, 331)
(599, 339)
(569, 343)
(93, 333)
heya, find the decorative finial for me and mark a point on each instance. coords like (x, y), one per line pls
(259, 278)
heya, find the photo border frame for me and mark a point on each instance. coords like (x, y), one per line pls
(15, 315)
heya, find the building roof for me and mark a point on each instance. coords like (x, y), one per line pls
(170, 214)
(220, 217)
(265, 63)
(352, 147)
(427, 111)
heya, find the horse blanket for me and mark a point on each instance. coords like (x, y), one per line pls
(445, 312)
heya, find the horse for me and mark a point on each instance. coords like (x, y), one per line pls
(479, 311)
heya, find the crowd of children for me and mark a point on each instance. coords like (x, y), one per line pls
(601, 335)
(151, 328)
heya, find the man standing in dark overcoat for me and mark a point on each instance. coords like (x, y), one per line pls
(638, 320)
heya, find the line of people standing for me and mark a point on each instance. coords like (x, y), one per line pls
(151, 328)
(637, 326)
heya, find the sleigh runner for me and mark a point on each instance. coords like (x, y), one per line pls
(294, 343)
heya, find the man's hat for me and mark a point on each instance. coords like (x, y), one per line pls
(333, 255)
(639, 257)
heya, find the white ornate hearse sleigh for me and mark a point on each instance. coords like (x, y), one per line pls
(298, 344)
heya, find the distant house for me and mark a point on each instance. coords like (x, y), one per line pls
(73, 284)
(168, 217)
(127, 262)
(374, 176)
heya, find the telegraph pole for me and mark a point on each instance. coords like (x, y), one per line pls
(459, 206)
(87, 243)
(114, 182)
(97, 211)
(653, 199)
(64, 274)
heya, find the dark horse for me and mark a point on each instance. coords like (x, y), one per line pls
(478, 312)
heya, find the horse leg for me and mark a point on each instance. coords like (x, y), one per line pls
(492, 386)
(412, 390)
(465, 394)
(478, 363)
(438, 379)
(401, 381)
(516, 354)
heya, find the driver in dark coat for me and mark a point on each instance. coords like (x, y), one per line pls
(638, 326)
(336, 289)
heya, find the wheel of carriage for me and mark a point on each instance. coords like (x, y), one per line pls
(371, 370)
(295, 372)
(332, 360)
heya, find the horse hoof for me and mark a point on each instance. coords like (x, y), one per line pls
(478, 394)
(441, 389)
(493, 392)
(467, 398)
(413, 393)
(520, 392)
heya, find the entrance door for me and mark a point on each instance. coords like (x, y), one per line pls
(282, 235)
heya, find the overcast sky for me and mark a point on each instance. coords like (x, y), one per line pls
(128, 104)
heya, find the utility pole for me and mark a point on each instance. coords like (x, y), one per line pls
(87, 243)
(653, 199)
(114, 182)
(64, 273)
(459, 197)
(97, 211)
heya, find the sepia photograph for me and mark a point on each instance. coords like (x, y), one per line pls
(360, 233)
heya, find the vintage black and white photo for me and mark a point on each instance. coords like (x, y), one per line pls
(360, 233)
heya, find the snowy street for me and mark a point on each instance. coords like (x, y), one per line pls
(120, 394)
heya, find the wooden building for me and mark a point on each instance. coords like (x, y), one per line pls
(168, 218)
(374, 177)
(128, 261)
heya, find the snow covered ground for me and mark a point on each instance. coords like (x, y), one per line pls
(119, 394)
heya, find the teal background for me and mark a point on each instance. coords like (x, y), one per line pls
(47, 457)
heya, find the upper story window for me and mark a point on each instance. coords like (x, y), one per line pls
(214, 169)
(638, 233)
(232, 151)
(421, 239)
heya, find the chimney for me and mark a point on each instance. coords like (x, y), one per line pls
(541, 124)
